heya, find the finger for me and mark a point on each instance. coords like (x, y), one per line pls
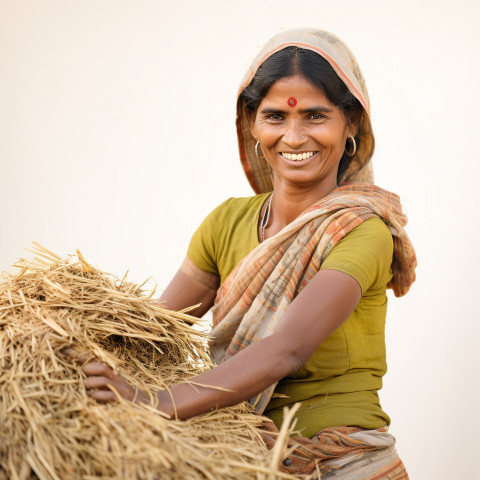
(97, 382)
(105, 396)
(72, 354)
(98, 369)
(118, 386)
(69, 352)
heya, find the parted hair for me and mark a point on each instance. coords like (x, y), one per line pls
(292, 61)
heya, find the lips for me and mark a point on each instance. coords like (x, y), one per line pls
(297, 156)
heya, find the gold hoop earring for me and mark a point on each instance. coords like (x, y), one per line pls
(354, 146)
(256, 149)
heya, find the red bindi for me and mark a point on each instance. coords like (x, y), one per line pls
(292, 101)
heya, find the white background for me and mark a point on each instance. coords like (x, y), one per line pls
(117, 137)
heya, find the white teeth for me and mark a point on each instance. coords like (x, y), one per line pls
(297, 156)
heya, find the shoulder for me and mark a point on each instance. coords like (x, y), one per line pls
(233, 221)
(372, 234)
(240, 205)
(365, 253)
(229, 213)
(371, 230)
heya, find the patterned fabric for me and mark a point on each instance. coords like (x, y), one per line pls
(330, 47)
(348, 453)
(251, 301)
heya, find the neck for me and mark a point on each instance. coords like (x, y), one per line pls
(290, 201)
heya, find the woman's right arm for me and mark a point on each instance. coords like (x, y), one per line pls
(191, 286)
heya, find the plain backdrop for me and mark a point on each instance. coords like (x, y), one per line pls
(117, 137)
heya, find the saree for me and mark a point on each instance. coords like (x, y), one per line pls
(348, 453)
(259, 290)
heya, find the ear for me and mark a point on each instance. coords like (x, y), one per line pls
(354, 121)
(251, 122)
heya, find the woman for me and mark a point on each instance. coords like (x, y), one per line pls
(298, 273)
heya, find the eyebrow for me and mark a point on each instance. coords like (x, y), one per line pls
(306, 110)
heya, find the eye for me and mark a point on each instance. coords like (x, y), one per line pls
(274, 117)
(318, 116)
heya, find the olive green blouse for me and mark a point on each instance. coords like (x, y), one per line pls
(339, 384)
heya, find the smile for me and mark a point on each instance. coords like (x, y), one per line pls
(297, 156)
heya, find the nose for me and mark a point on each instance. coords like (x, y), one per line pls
(294, 136)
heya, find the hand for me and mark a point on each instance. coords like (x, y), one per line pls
(100, 376)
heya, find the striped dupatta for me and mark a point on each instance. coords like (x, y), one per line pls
(261, 287)
(252, 299)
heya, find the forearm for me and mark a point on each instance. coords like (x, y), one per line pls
(303, 327)
(239, 378)
(185, 291)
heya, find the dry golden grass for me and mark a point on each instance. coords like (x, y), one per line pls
(55, 315)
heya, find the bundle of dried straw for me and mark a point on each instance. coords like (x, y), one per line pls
(57, 314)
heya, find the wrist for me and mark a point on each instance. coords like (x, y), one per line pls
(139, 396)
(165, 404)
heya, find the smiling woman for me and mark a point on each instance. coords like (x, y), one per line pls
(304, 144)
(320, 78)
(298, 273)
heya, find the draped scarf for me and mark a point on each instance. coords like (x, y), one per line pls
(255, 295)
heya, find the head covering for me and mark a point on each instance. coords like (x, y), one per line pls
(339, 56)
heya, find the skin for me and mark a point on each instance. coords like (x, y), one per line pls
(321, 307)
(280, 128)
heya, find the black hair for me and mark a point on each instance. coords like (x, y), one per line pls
(292, 61)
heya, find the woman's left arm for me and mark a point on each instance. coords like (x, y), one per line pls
(321, 307)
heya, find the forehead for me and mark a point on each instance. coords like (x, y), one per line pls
(295, 86)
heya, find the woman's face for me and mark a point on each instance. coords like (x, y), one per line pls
(302, 135)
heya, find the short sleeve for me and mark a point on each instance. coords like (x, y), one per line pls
(202, 248)
(227, 235)
(365, 254)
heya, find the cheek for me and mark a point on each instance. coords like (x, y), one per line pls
(267, 135)
(332, 138)
(338, 137)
